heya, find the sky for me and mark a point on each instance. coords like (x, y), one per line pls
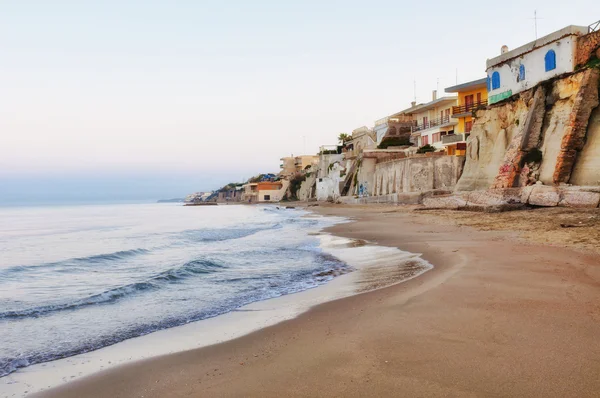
(151, 99)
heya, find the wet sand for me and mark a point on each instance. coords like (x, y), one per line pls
(497, 316)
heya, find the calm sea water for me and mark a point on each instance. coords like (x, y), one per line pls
(74, 279)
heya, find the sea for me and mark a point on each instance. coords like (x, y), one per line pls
(74, 279)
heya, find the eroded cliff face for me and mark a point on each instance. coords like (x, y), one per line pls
(587, 167)
(550, 134)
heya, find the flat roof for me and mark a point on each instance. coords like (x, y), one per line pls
(571, 30)
(432, 104)
(472, 85)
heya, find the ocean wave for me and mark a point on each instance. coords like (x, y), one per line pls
(278, 284)
(222, 234)
(77, 261)
(176, 274)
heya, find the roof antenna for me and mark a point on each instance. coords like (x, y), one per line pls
(535, 19)
(415, 89)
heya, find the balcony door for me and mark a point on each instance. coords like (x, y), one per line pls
(468, 102)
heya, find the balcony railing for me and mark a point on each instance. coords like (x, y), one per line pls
(431, 123)
(452, 138)
(468, 108)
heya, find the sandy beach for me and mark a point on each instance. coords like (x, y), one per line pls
(512, 308)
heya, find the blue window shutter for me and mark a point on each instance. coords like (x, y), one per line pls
(489, 84)
(495, 80)
(521, 72)
(550, 60)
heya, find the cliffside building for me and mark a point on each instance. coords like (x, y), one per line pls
(433, 120)
(522, 68)
(296, 164)
(270, 191)
(362, 138)
(471, 96)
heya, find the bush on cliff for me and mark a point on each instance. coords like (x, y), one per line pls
(426, 148)
(394, 141)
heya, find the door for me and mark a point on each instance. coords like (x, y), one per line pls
(468, 102)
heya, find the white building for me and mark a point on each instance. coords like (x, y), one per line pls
(433, 120)
(524, 67)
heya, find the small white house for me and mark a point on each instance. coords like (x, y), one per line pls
(524, 67)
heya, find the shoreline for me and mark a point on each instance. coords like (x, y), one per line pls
(249, 318)
(494, 317)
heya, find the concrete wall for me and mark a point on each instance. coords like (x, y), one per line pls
(535, 71)
(416, 174)
(364, 177)
(328, 187)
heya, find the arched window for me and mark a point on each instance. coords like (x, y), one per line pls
(521, 72)
(495, 80)
(550, 60)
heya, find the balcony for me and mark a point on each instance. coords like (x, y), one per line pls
(431, 123)
(452, 138)
(467, 109)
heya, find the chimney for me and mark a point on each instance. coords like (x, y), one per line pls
(413, 104)
(434, 95)
(504, 49)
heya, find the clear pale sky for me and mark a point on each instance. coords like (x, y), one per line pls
(161, 98)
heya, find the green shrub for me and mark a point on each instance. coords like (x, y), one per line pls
(426, 148)
(394, 141)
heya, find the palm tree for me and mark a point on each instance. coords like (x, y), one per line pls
(343, 137)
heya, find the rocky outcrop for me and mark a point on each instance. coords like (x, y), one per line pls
(587, 167)
(526, 138)
(588, 46)
(573, 140)
(493, 131)
(548, 134)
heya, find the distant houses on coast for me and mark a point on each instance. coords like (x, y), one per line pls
(533, 120)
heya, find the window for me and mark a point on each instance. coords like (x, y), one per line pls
(425, 124)
(468, 126)
(489, 84)
(478, 98)
(267, 197)
(425, 140)
(495, 80)
(435, 137)
(550, 60)
(521, 73)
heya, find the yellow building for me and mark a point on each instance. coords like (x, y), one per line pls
(471, 95)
